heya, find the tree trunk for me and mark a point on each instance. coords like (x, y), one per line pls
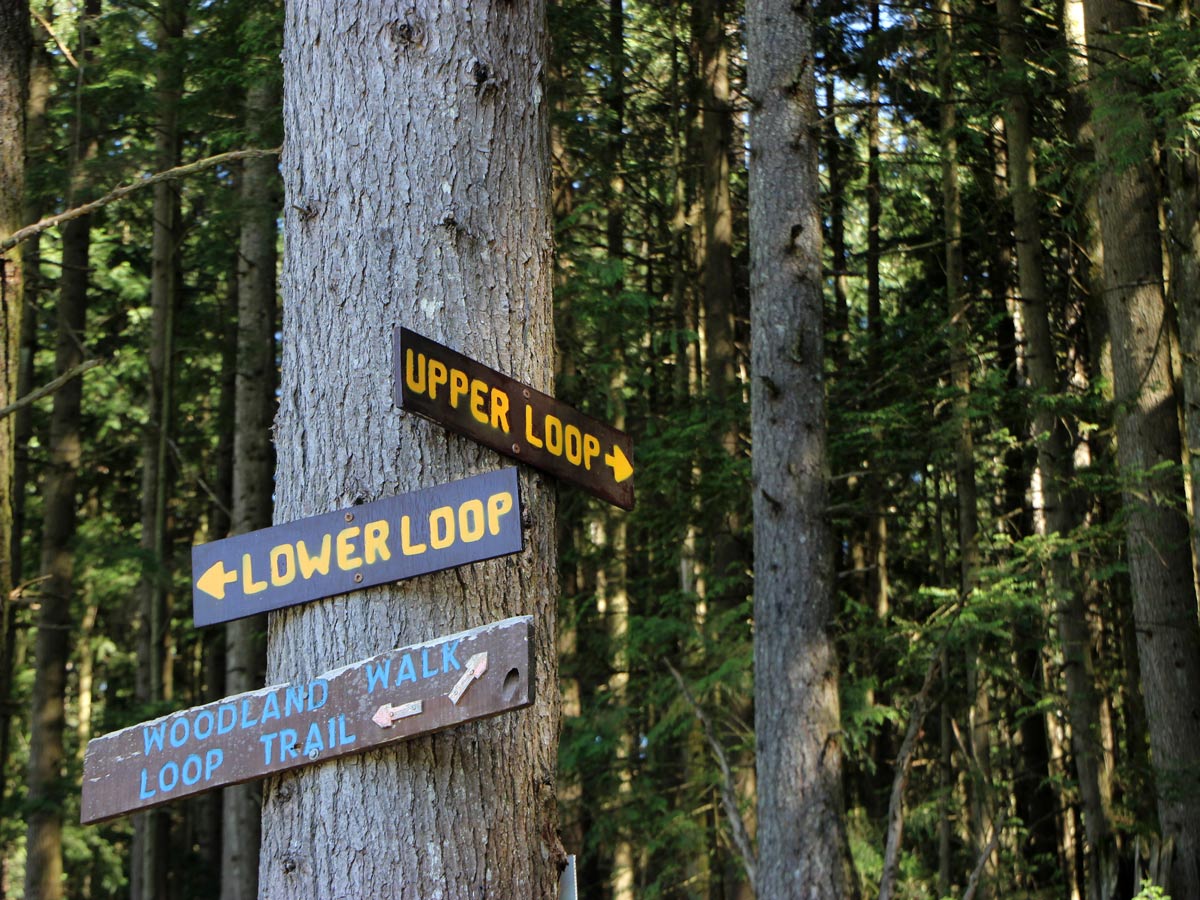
(613, 582)
(14, 89)
(838, 186)
(801, 832)
(416, 176)
(1149, 451)
(958, 331)
(1183, 184)
(1055, 517)
(152, 829)
(45, 783)
(253, 458)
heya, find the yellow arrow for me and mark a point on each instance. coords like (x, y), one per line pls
(214, 580)
(619, 464)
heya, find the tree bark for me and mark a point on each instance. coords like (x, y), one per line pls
(1149, 449)
(152, 828)
(14, 89)
(416, 177)
(44, 781)
(1055, 514)
(1183, 231)
(801, 832)
(253, 459)
(958, 337)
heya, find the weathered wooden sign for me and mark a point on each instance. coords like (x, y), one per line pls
(385, 540)
(512, 418)
(396, 695)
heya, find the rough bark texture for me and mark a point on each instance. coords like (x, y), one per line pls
(253, 460)
(1054, 467)
(44, 780)
(1183, 183)
(416, 175)
(14, 84)
(152, 829)
(958, 338)
(800, 814)
(43, 867)
(1149, 452)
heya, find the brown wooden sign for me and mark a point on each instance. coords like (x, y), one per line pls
(512, 418)
(374, 543)
(396, 695)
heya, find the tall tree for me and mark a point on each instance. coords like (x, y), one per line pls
(1056, 517)
(1182, 152)
(417, 192)
(1149, 448)
(14, 89)
(45, 786)
(958, 336)
(152, 829)
(253, 457)
(801, 833)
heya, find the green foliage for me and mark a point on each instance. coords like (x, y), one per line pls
(670, 582)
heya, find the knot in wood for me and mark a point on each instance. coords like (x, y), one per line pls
(482, 76)
(405, 33)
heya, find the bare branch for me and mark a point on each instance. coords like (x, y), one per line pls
(47, 389)
(66, 51)
(741, 837)
(125, 190)
(895, 831)
(920, 708)
(973, 882)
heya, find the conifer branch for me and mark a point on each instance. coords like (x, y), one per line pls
(125, 190)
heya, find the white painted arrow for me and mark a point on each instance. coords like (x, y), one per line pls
(387, 714)
(475, 668)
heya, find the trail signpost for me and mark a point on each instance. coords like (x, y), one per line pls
(386, 540)
(393, 696)
(512, 418)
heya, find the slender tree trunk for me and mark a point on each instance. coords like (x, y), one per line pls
(44, 866)
(716, 272)
(14, 89)
(253, 459)
(877, 577)
(1056, 516)
(15, 639)
(957, 307)
(417, 192)
(1183, 183)
(1149, 451)
(838, 186)
(45, 785)
(613, 584)
(801, 836)
(152, 829)
(726, 557)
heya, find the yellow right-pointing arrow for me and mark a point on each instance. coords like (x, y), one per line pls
(214, 580)
(620, 465)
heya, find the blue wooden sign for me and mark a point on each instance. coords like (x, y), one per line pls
(396, 695)
(386, 540)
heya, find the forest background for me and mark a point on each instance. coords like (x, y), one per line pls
(1010, 252)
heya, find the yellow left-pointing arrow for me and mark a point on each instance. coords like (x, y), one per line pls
(214, 580)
